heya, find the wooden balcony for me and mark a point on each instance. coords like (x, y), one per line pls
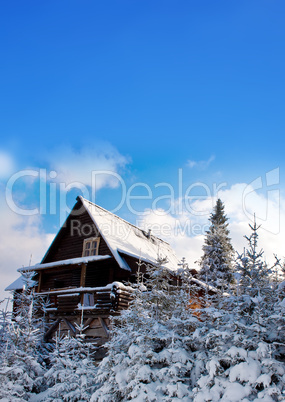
(93, 301)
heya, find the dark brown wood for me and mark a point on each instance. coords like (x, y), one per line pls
(82, 281)
(83, 275)
(69, 240)
(39, 281)
(67, 303)
(122, 306)
(70, 326)
(111, 274)
(52, 329)
(61, 277)
(105, 327)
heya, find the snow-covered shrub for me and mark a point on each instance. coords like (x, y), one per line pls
(22, 365)
(5, 319)
(21, 376)
(72, 373)
(237, 366)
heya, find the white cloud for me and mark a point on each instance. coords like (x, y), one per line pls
(23, 236)
(20, 237)
(185, 232)
(7, 165)
(76, 165)
(200, 165)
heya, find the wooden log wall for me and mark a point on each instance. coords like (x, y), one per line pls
(69, 241)
(61, 277)
(106, 301)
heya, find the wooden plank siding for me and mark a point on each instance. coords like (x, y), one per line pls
(98, 273)
(62, 277)
(69, 241)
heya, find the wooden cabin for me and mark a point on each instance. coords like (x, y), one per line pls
(83, 271)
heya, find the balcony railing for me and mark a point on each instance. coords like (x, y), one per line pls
(93, 300)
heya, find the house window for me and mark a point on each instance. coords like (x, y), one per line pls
(88, 300)
(90, 246)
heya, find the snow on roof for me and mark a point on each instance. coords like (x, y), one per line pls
(71, 261)
(19, 284)
(203, 284)
(125, 238)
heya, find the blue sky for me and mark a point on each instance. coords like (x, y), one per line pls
(150, 85)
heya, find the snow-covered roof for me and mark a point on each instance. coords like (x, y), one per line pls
(71, 261)
(18, 284)
(204, 285)
(124, 238)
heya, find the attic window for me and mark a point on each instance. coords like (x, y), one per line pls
(90, 246)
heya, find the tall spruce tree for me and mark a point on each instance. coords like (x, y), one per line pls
(241, 336)
(259, 295)
(149, 354)
(255, 275)
(216, 262)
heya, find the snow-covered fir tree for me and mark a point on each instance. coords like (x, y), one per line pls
(234, 366)
(5, 319)
(22, 365)
(239, 337)
(257, 290)
(216, 262)
(170, 345)
(162, 350)
(149, 354)
(253, 271)
(72, 372)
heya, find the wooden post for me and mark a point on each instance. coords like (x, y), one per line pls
(70, 326)
(83, 275)
(111, 274)
(82, 281)
(104, 326)
(40, 282)
(52, 329)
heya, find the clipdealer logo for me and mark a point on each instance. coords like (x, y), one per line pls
(178, 199)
